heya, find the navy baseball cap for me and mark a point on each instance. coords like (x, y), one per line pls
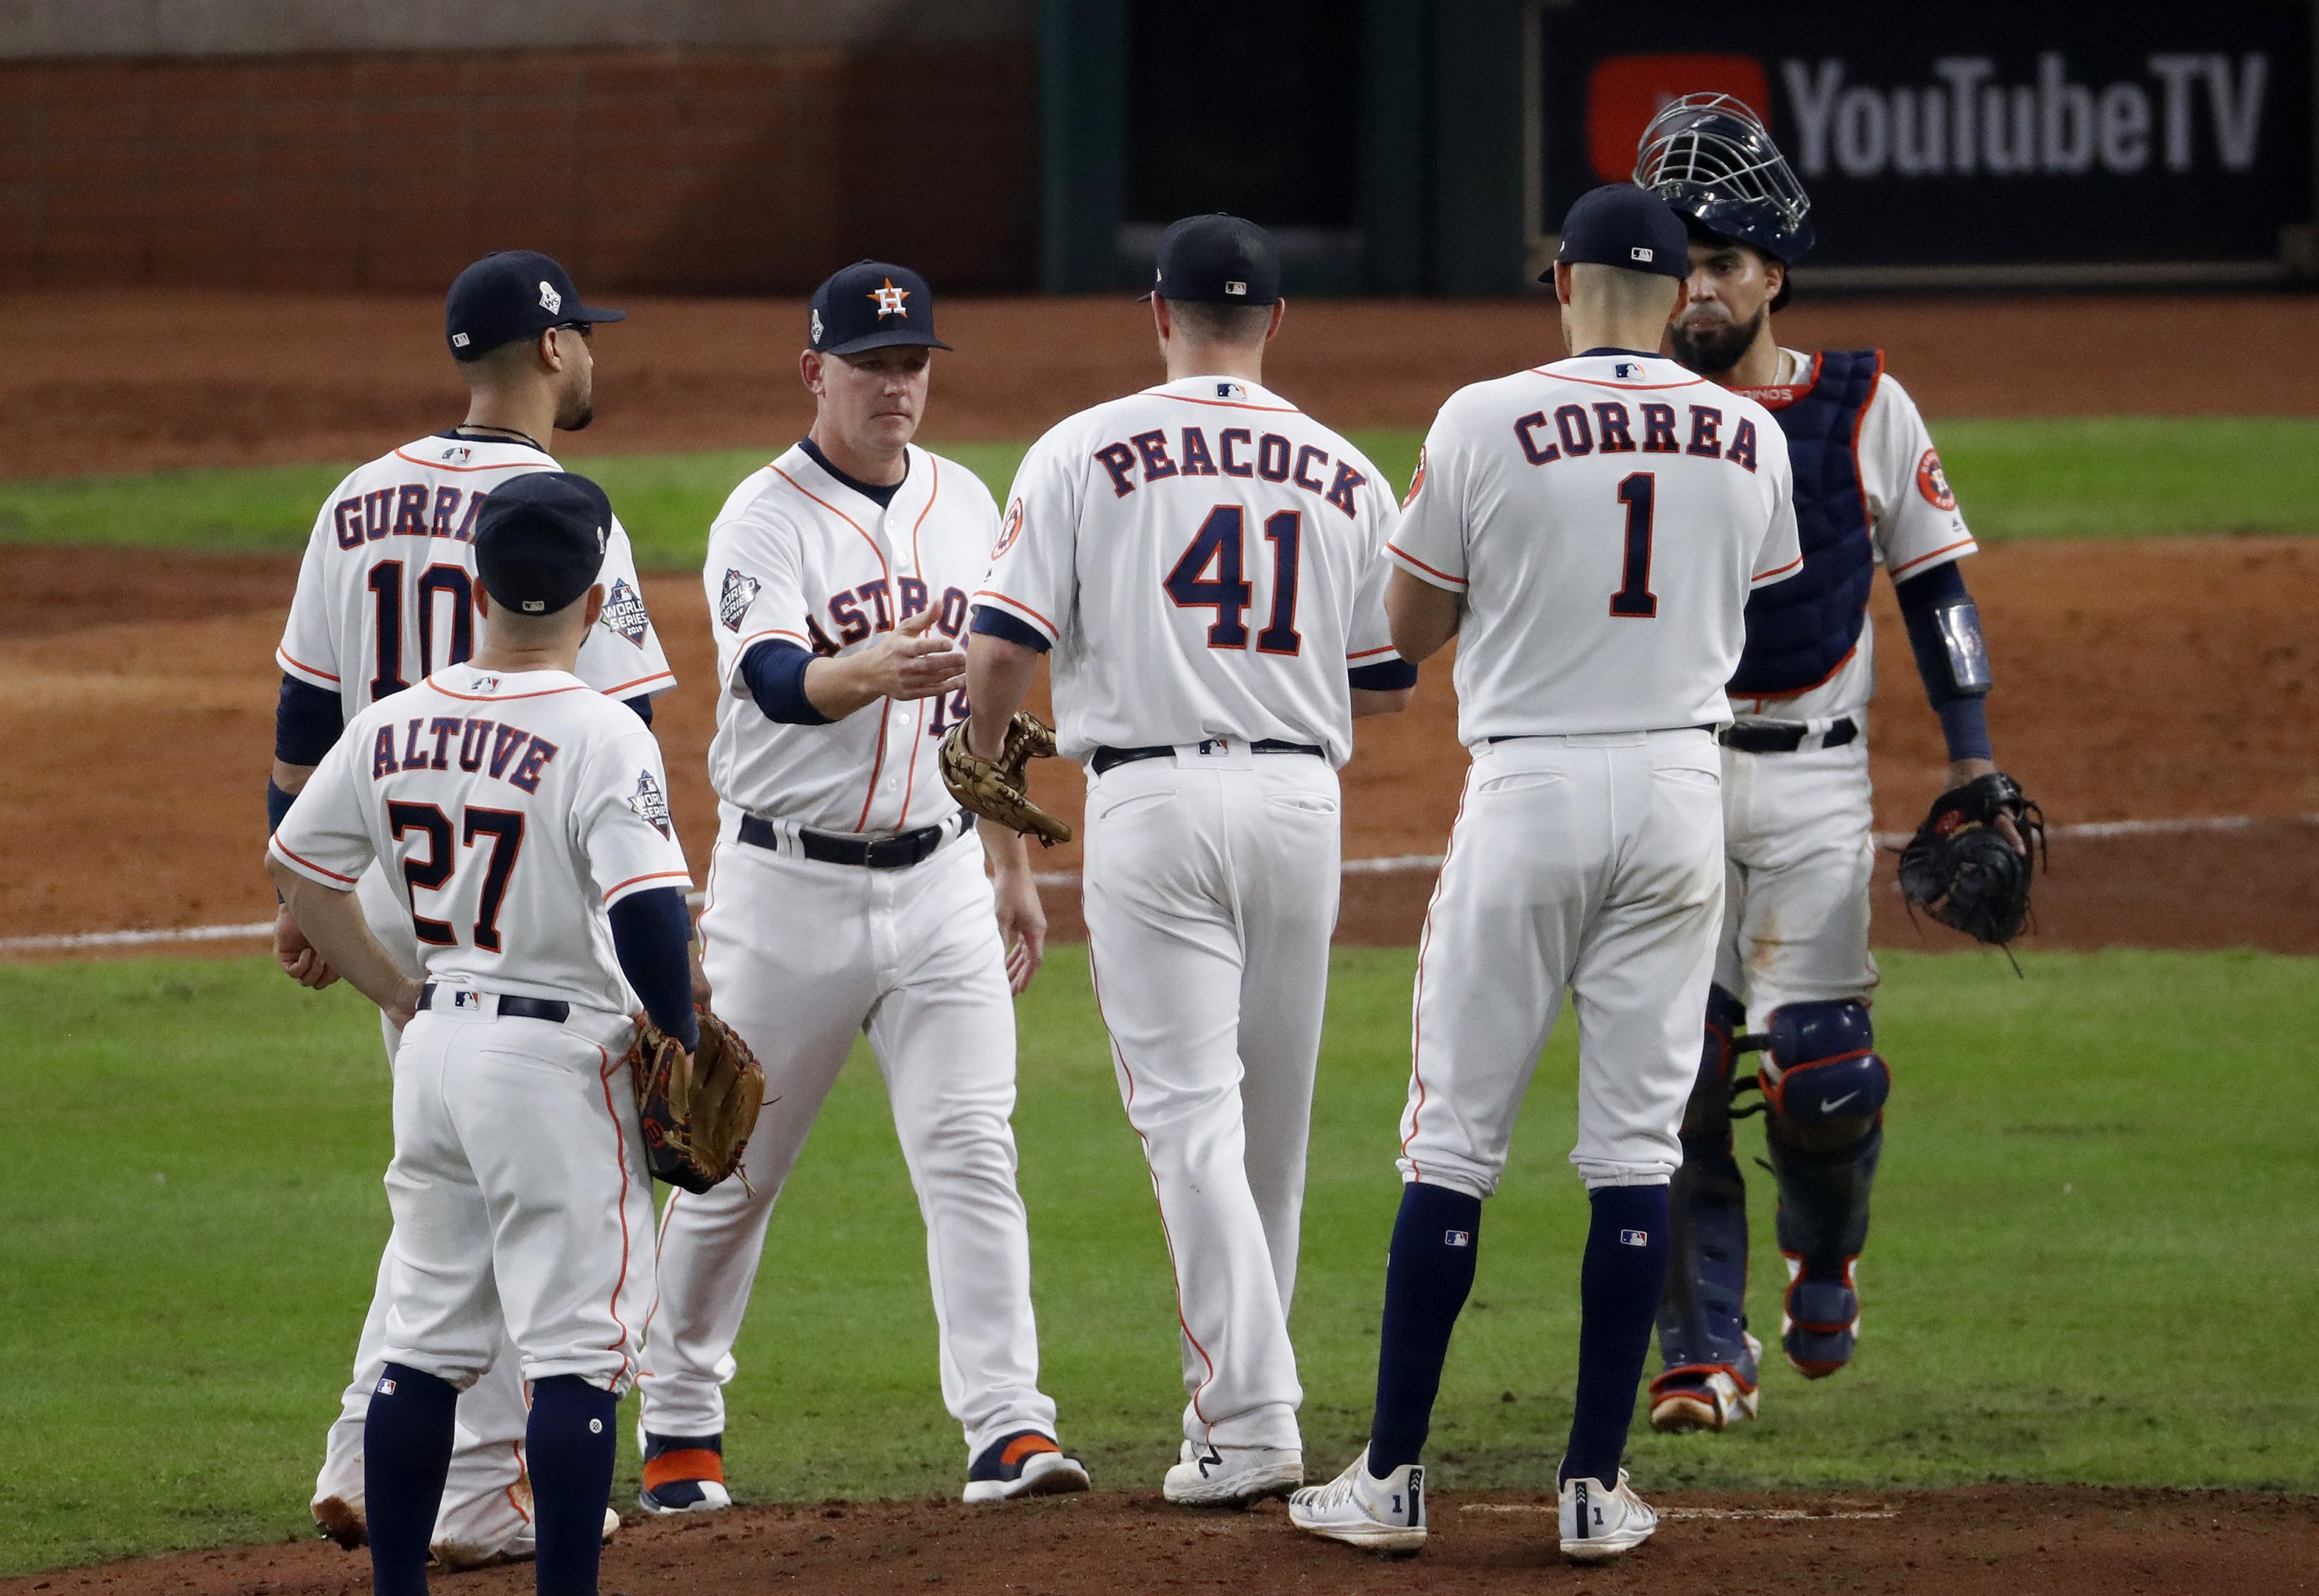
(1217, 260)
(539, 540)
(872, 304)
(517, 294)
(1632, 229)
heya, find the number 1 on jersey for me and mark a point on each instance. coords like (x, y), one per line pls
(1219, 544)
(1640, 495)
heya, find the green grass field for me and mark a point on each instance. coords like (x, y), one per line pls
(2073, 478)
(2091, 1260)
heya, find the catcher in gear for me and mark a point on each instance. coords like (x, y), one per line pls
(1794, 960)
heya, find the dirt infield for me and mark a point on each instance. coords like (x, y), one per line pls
(2140, 680)
(1983, 1541)
(120, 381)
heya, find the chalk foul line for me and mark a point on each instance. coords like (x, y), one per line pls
(1395, 864)
(1780, 1515)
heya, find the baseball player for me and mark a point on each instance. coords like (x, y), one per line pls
(1794, 954)
(846, 896)
(1589, 531)
(525, 818)
(1202, 563)
(384, 598)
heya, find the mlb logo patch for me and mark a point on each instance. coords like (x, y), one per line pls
(1625, 371)
(1634, 1237)
(464, 1000)
(1456, 1237)
(1231, 391)
(385, 1387)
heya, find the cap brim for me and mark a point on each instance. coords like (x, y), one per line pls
(889, 339)
(596, 314)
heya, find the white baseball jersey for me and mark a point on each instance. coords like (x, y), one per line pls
(1205, 560)
(797, 555)
(515, 810)
(1912, 515)
(1604, 519)
(386, 592)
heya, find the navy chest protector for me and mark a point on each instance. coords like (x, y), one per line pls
(1801, 629)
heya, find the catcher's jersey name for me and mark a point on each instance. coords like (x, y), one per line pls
(1238, 451)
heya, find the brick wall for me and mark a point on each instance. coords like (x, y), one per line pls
(723, 172)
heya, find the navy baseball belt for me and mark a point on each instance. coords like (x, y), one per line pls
(1106, 759)
(554, 1011)
(898, 852)
(1787, 739)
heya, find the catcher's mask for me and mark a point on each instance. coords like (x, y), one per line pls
(1711, 158)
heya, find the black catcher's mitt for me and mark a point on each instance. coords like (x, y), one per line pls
(697, 1108)
(1959, 868)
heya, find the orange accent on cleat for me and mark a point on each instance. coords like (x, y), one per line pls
(1026, 1445)
(693, 1462)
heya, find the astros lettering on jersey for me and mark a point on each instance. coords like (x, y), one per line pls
(386, 591)
(1225, 548)
(797, 555)
(1626, 472)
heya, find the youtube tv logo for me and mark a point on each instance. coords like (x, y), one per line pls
(1623, 93)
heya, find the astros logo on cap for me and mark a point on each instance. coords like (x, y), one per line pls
(889, 299)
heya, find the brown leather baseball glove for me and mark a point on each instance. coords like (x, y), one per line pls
(697, 1108)
(998, 788)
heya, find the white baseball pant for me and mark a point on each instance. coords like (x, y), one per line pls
(802, 956)
(522, 1203)
(486, 1505)
(1799, 861)
(1594, 863)
(1211, 893)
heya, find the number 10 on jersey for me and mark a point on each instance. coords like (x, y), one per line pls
(1211, 575)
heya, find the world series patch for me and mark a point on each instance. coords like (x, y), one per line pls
(624, 612)
(733, 603)
(650, 803)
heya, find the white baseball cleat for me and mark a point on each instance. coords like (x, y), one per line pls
(456, 1556)
(1599, 1522)
(1707, 1397)
(1232, 1476)
(1377, 1515)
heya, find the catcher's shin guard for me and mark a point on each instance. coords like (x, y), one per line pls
(1709, 1360)
(1825, 1088)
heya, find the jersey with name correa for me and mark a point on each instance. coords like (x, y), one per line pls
(386, 592)
(1604, 519)
(1206, 561)
(511, 810)
(798, 556)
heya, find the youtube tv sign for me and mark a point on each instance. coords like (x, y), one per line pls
(2036, 141)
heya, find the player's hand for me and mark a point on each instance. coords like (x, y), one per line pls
(402, 1006)
(298, 957)
(700, 990)
(908, 664)
(1022, 926)
(1962, 771)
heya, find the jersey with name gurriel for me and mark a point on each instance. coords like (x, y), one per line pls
(798, 556)
(1206, 561)
(511, 811)
(386, 592)
(1912, 518)
(1604, 519)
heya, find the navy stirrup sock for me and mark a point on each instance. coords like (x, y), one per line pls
(1618, 1287)
(1427, 1277)
(569, 1445)
(407, 1438)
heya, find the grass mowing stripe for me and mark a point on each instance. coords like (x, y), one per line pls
(2096, 477)
(2086, 1263)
